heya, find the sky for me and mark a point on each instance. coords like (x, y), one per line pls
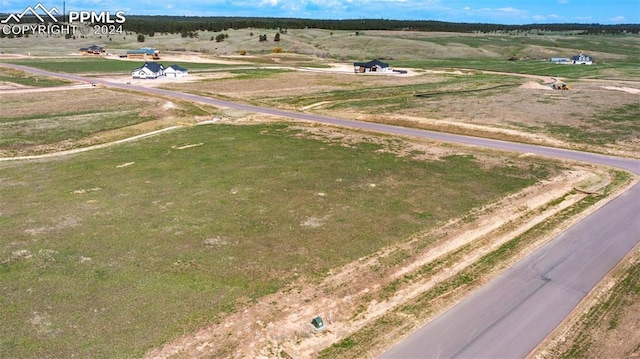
(475, 11)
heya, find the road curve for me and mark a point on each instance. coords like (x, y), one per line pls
(511, 315)
(632, 165)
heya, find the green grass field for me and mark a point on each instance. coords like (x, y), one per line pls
(30, 123)
(24, 132)
(26, 79)
(113, 252)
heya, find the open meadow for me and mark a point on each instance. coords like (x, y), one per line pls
(112, 252)
(224, 236)
(45, 122)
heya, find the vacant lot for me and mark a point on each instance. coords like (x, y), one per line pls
(11, 79)
(116, 251)
(42, 122)
(595, 115)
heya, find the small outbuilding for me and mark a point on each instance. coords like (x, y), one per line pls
(150, 70)
(175, 71)
(371, 66)
(144, 53)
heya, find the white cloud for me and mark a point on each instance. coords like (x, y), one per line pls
(269, 3)
(551, 18)
(618, 19)
(510, 10)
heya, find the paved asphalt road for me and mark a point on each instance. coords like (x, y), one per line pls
(511, 315)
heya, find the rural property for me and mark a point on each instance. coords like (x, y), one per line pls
(324, 195)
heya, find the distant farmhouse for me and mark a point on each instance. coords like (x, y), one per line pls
(371, 66)
(153, 70)
(145, 53)
(580, 59)
(93, 50)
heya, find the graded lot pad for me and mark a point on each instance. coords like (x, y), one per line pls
(114, 252)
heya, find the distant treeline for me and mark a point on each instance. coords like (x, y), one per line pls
(186, 24)
(149, 25)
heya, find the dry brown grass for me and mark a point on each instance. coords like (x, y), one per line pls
(516, 113)
(62, 102)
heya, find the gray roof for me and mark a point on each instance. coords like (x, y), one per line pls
(92, 47)
(153, 66)
(371, 63)
(178, 68)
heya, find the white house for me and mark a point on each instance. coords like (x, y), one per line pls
(150, 70)
(582, 59)
(175, 71)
